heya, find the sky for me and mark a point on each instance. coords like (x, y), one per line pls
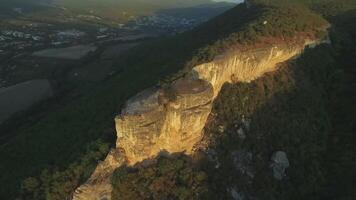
(235, 1)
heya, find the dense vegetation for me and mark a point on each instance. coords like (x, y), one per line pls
(55, 184)
(57, 141)
(288, 112)
(327, 8)
(341, 150)
(238, 26)
(173, 177)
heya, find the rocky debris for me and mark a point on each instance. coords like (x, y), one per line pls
(279, 164)
(243, 162)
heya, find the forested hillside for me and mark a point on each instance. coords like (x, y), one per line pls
(306, 109)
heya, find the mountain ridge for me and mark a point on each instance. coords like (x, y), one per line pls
(201, 52)
(170, 120)
(186, 115)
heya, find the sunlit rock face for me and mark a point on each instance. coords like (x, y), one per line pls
(245, 66)
(153, 121)
(160, 120)
(98, 187)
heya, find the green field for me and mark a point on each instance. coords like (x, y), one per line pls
(71, 53)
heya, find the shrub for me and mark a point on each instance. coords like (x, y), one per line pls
(59, 185)
(169, 178)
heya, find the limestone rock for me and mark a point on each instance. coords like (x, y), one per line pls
(148, 126)
(279, 164)
(98, 187)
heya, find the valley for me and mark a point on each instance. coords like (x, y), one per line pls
(57, 46)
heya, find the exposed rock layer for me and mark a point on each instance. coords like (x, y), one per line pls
(164, 124)
(157, 120)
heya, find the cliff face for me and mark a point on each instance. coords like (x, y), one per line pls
(160, 120)
(152, 122)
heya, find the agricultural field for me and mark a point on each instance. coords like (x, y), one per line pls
(71, 53)
(22, 96)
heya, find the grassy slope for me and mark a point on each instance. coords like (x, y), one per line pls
(60, 138)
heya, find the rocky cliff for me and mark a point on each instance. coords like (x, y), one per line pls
(172, 119)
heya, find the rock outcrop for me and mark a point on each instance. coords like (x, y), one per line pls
(279, 164)
(98, 187)
(171, 120)
(155, 121)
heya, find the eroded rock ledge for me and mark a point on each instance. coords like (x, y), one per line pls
(157, 120)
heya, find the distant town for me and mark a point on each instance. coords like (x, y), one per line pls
(71, 51)
(36, 36)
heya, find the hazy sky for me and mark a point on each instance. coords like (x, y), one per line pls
(235, 1)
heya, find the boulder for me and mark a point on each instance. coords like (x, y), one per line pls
(279, 164)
